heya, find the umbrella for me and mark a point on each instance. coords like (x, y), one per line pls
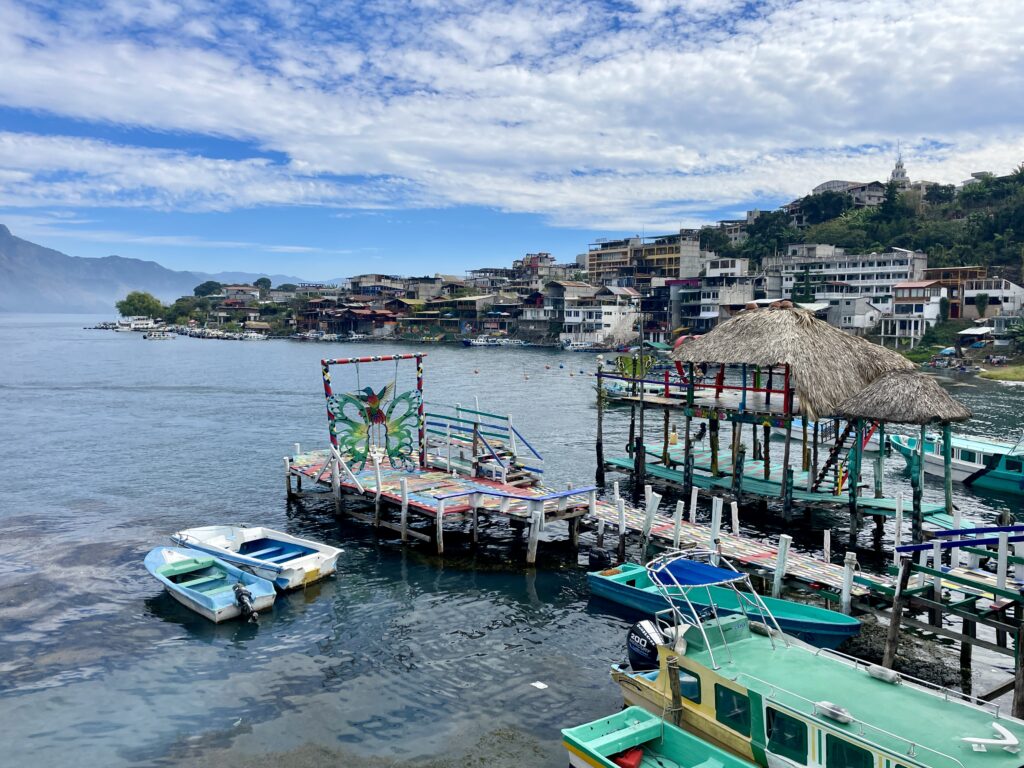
(948, 351)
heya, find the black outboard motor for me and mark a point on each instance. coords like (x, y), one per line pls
(599, 559)
(243, 598)
(642, 645)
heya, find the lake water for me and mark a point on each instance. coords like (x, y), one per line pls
(112, 442)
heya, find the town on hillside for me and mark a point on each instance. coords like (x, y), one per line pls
(656, 289)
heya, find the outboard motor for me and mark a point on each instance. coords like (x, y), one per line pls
(600, 559)
(642, 645)
(243, 598)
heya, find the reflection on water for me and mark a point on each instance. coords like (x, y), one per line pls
(112, 443)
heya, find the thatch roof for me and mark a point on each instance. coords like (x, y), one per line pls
(827, 366)
(905, 397)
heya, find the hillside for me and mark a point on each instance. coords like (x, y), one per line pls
(34, 278)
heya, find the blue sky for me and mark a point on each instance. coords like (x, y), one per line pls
(326, 139)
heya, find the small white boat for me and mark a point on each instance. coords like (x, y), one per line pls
(286, 560)
(974, 461)
(158, 336)
(212, 588)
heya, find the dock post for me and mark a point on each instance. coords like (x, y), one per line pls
(919, 489)
(615, 492)
(475, 501)
(735, 519)
(787, 474)
(737, 470)
(853, 472)
(693, 505)
(879, 462)
(600, 533)
(287, 478)
(1018, 675)
(898, 534)
(969, 632)
(403, 483)
(1018, 568)
(592, 503)
(676, 689)
(713, 442)
(935, 614)
(849, 566)
(574, 532)
(653, 500)
(1001, 564)
(780, 564)
(893, 638)
(639, 464)
(376, 490)
(716, 526)
(787, 490)
(766, 449)
(599, 444)
(336, 484)
(677, 520)
(814, 457)
(805, 457)
(621, 504)
(826, 545)
(439, 526)
(947, 472)
(537, 519)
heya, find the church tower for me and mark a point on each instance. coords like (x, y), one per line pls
(899, 173)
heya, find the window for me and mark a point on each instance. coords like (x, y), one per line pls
(787, 736)
(843, 753)
(689, 683)
(732, 709)
(1014, 465)
(968, 456)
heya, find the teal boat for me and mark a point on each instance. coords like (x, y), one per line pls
(631, 585)
(778, 702)
(636, 737)
(976, 462)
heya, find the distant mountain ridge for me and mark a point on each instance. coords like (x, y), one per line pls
(34, 278)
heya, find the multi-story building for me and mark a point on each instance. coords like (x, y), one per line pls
(833, 275)
(1004, 297)
(953, 279)
(610, 316)
(636, 261)
(916, 307)
(856, 315)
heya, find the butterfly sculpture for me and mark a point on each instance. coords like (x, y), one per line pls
(371, 421)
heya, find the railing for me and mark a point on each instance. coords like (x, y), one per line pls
(912, 746)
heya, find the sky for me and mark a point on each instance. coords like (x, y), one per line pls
(328, 139)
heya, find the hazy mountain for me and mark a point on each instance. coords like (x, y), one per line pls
(38, 279)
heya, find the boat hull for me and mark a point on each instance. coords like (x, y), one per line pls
(992, 476)
(264, 551)
(813, 625)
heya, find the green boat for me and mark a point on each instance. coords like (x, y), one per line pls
(778, 702)
(974, 461)
(636, 737)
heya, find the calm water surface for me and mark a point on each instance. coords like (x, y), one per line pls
(112, 442)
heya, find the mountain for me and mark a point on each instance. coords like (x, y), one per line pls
(38, 279)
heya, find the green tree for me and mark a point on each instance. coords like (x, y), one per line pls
(943, 309)
(1016, 333)
(207, 288)
(981, 303)
(825, 206)
(767, 235)
(805, 293)
(287, 287)
(140, 303)
(714, 239)
(940, 193)
(263, 284)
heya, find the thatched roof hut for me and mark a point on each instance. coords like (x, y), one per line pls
(905, 397)
(827, 366)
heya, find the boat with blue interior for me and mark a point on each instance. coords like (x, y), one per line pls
(743, 685)
(630, 584)
(287, 561)
(212, 588)
(974, 461)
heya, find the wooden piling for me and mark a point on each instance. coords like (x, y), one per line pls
(439, 527)
(677, 520)
(713, 442)
(403, 484)
(947, 459)
(622, 529)
(805, 457)
(674, 686)
(287, 478)
(715, 529)
(537, 522)
(814, 453)
(1018, 677)
(693, 505)
(780, 564)
(893, 638)
(599, 443)
(846, 595)
(766, 450)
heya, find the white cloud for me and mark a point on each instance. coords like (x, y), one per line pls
(610, 118)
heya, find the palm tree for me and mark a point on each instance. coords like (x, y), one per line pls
(1016, 334)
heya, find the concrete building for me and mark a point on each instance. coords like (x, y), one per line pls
(1004, 297)
(834, 275)
(916, 308)
(608, 317)
(856, 315)
(953, 279)
(638, 262)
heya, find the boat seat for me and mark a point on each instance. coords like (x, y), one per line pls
(202, 580)
(635, 733)
(286, 556)
(218, 590)
(262, 554)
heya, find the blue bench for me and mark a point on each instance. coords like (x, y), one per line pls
(262, 554)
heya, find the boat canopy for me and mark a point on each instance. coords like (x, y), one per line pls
(691, 573)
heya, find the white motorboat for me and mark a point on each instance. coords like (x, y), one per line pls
(288, 561)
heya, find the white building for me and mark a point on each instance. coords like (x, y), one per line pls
(856, 315)
(1004, 297)
(916, 308)
(834, 275)
(610, 316)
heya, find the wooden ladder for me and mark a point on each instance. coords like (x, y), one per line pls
(833, 456)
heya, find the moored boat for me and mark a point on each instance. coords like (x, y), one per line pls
(212, 588)
(637, 737)
(974, 461)
(631, 585)
(778, 702)
(288, 561)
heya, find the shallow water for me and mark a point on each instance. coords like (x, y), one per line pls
(112, 442)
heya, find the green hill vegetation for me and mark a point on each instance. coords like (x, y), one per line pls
(981, 223)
